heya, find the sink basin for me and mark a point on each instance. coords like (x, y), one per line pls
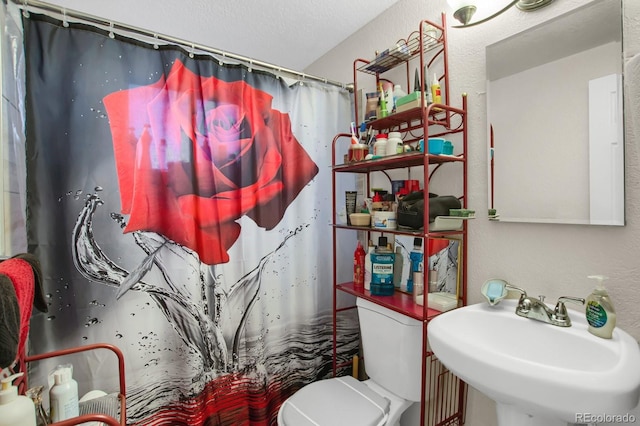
(538, 373)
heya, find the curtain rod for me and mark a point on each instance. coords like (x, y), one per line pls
(40, 6)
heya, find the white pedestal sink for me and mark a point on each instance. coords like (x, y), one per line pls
(539, 374)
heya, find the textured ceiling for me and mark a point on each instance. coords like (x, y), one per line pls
(288, 33)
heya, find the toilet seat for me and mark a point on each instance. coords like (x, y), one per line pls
(341, 401)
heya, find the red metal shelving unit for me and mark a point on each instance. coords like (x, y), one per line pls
(119, 398)
(445, 392)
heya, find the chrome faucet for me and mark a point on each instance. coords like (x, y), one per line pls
(530, 307)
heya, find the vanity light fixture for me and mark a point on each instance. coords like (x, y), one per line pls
(465, 9)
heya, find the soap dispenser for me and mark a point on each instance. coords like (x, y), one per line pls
(600, 313)
(15, 409)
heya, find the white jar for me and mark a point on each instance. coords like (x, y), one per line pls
(394, 144)
(384, 219)
(380, 147)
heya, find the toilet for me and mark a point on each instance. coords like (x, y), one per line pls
(392, 347)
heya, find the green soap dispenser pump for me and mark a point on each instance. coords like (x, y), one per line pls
(600, 313)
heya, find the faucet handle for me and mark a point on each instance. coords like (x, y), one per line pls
(560, 311)
(518, 289)
(577, 300)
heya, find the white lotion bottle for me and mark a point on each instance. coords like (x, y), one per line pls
(63, 396)
(600, 313)
(380, 147)
(394, 142)
(15, 409)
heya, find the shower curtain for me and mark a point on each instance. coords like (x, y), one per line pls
(180, 207)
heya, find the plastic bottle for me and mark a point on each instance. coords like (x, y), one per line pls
(367, 266)
(599, 311)
(15, 409)
(394, 143)
(397, 267)
(63, 396)
(383, 102)
(397, 94)
(389, 101)
(380, 147)
(382, 260)
(435, 90)
(433, 280)
(429, 93)
(415, 257)
(418, 287)
(358, 267)
(416, 81)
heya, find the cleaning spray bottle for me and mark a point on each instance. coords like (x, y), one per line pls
(415, 257)
(358, 267)
(15, 409)
(599, 311)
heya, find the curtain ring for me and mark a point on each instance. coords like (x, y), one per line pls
(111, 34)
(25, 11)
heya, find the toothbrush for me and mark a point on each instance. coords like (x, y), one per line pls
(354, 139)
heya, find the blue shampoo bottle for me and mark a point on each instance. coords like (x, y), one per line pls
(416, 257)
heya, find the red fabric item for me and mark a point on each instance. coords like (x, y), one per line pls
(436, 246)
(21, 274)
(9, 323)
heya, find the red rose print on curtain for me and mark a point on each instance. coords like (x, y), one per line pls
(194, 154)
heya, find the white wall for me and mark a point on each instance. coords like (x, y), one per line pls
(553, 260)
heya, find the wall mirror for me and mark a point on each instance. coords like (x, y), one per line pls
(555, 120)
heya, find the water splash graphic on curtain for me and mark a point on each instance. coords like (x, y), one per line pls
(176, 206)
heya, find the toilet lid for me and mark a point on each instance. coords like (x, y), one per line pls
(342, 401)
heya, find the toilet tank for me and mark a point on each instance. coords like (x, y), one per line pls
(392, 348)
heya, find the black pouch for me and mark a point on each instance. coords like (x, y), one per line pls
(411, 208)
